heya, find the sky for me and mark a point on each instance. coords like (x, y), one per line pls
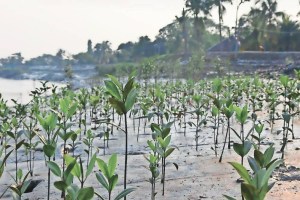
(34, 27)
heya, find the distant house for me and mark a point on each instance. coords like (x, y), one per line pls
(230, 44)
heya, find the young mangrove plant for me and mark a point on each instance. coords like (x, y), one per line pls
(198, 105)
(153, 168)
(49, 124)
(67, 110)
(20, 186)
(162, 138)
(256, 185)
(228, 111)
(109, 179)
(122, 100)
(244, 147)
(66, 179)
(88, 141)
(78, 169)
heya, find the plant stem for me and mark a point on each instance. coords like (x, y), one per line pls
(126, 152)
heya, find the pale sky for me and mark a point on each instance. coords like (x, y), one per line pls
(34, 27)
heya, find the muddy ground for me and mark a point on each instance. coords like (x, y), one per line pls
(199, 176)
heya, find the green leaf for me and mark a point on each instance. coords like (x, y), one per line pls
(91, 166)
(259, 157)
(113, 182)
(54, 168)
(115, 81)
(62, 186)
(112, 164)
(113, 89)
(19, 174)
(228, 197)
(270, 170)
(242, 149)
(151, 145)
(124, 193)
(117, 105)
(51, 124)
(25, 186)
(101, 179)
(165, 132)
(257, 180)
(72, 110)
(248, 191)
(72, 191)
(19, 144)
(167, 140)
(49, 150)
(128, 87)
(76, 169)
(268, 155)
(253, 164)
(242, 171)
(64, 104)
(168, 152)
(85, 193)
(130, 100)
(103, 167)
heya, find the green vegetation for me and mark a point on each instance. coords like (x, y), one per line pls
(207, 106)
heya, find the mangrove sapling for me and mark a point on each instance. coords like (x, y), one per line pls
(228, 111)
(18, 115)
(272, 103)
(217, 86)
(88, 141)
(153, 168)
(183, 111)
(259, 138)
(256, 186)
(109, 179)
(94, 101)
(4, 142)
(292, 96)
(162, 146)
(20, 186)
(153, 160)
(199, 103)
(16, 135)
(74, 143)
(122, 100)
(78, 170)
(215, 112)
(30, 134)
(284, 80)
(49, 124)
(3, 161)
(66, 179)
(4, 113)
(67, 110)
(244, 147)
(83, 101)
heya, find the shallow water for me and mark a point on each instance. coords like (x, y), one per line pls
(18, 89)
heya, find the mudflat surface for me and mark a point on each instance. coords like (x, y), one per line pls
(199, 176)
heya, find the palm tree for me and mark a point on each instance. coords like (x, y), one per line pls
(264, 20)
(289, 30)
(199, 7)
(236, 16)
(221, 12)
(269, 11)
(182, 21)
